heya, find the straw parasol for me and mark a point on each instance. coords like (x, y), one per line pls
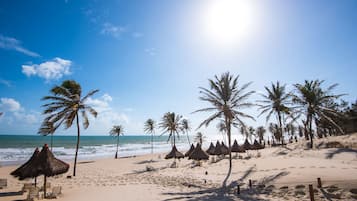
(217, 151)
(210, 149)
(224, 149)
(190, 150)
(247, 145)
(198, 154)
(44, 164)
(257, 146)
(174, 153)
(236, 148)
(26, 170)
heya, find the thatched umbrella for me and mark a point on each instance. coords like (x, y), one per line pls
(256, 145)
(174, 153)
(236, 148)
(247, 145)
(198, 154)
(26, 170)
(217, 150)
(44, 164)
(190, 150)
(224, 149)
(210, 149)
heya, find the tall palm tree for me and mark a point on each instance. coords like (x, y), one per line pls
(65, 106)
(260, 132)
(116, 131)
(149, 127)
(47, 128)
(251, 133)
(311, 100)
(227, 100)
(276, 101)
(199, 138)
(171, 124)
(185, 125)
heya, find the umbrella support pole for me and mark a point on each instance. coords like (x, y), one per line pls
(35, 181)
(44, 186)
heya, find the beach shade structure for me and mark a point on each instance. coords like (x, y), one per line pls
(247, 145)
(257, 146)
(198, 154)
(224, 149)
(190, 150)
(217, 150)
(210, 149)
(236, 148)
(174, 153)
(26, 170)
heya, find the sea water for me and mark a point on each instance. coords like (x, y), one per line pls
(15, 149)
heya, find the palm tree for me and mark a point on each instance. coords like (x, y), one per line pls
(185, 128)
(227, 100)
(149, 127)
(199, 138)
(260, 132)
(311, 99)
(251, 133)
(47, 128)
(171, 123)
(65, 106)
(275, 131)
(116, 131)
(276, 102)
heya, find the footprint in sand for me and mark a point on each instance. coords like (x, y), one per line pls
(292, 167)
(302, 167)
(312, 166)
(299, 186)
(322, 167)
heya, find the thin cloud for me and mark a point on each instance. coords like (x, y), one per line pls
(5, 82)
(137, 34)
(151, 51)
(112, 30)
(9, 43)
(49, 70)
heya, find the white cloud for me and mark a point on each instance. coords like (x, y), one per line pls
(49, 70)
(151, 51)
(112, 30)
(9, 104)
(14, 44)
(14, 112)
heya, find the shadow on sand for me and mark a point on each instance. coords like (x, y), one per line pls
(332, 153)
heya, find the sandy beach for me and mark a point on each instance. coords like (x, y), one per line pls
(277, 174)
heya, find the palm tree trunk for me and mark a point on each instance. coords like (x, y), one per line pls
(188, 139)
(51, 141)
(116, 154)
(281, 129)
(77, 146)
(44, 185)
(228, 126)
(152, 143)
(310, 132)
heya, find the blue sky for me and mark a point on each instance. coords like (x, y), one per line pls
(150, 57)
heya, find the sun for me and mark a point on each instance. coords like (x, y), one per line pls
(228, 21)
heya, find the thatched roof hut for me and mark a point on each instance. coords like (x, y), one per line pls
(26, 170)
(198, 154)
(190, 150)
(224, 149)
(257, 146)
(174, 153)
(217, 150)
(236, 148)
(247, 145)
(210, 149)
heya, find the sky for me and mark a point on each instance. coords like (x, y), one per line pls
(150, 57)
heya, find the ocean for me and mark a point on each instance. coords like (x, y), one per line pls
(15, 149)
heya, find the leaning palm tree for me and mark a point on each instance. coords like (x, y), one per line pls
(149, 127)
(185, 125)
(65, 106)
(260, 132)
(276, 102)
(227, 100)
(171, 124)
(47, 128)
(311, 99)
(116, 131)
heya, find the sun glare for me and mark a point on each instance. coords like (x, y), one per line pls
(228, 22)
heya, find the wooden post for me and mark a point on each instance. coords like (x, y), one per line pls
(311, 191)
(250, 183)
(44, 186)
(319, 185)
(238, 189)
